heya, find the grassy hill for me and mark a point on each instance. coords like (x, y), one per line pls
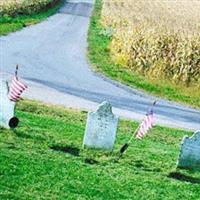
(44, 159)
(152, 46)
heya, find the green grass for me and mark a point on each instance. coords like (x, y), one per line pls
(99, 56)
(30, 169)
(12, 24)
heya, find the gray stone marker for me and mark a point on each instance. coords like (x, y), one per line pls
(101, 128)
(7, 107)
(190, 152)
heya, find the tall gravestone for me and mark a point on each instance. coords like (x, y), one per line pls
(190, 152)
(7, 107)
(101, 128)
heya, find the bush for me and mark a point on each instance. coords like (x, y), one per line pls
(24, 7)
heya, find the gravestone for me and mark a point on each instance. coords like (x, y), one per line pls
(190, 152)
(101, 128)
(7, 107)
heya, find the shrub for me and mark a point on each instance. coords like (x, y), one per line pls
(24, 7)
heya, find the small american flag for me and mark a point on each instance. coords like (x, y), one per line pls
(141, 131)
(146, 125)
(16, 89)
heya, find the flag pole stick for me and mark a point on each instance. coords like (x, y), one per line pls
(16, 71)
(126, 145)
(134, 134)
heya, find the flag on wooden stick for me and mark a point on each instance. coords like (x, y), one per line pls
(16, 88)
(146, 125)
(142, 130)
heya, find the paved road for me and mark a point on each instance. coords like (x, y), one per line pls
(53, 61)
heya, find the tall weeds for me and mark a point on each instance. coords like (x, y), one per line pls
(23, 7)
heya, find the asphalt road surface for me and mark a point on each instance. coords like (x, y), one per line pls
(52, 59)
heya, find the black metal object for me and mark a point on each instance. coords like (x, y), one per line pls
(124, 148)
(13, 122)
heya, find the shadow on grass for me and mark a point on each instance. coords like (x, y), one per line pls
(139, 164)
(36, 137)
(67, 149)
(11, 145)
(91, 161)
(21, 134)
(184, 178)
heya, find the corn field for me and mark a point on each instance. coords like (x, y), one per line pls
(26, 7)
(159, 39)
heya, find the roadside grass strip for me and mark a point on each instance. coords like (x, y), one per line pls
(10, 24)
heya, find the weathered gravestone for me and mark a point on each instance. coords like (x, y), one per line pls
(101, 128)
(7, 107)
(190, 152)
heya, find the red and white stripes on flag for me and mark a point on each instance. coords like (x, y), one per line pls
(16, 89)
(146, 125)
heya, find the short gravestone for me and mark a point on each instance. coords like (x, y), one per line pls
(7, 107)
(101, 128)
(190, 152)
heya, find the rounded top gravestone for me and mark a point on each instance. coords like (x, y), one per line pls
(101, 128)
(190, 152)
(105, 109)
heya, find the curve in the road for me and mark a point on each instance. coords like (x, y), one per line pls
(52, 55)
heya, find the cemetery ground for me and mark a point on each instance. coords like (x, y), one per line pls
(12, 24)
(44, 159)
(99, 40)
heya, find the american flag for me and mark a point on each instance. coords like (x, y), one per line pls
(146, 125)
(16, 89)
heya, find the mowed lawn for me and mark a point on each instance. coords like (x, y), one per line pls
(34, 163)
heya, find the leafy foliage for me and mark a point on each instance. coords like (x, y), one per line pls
(21, 7)
(11, 24)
